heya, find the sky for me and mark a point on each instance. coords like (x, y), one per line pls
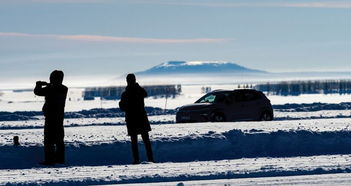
(113, 37)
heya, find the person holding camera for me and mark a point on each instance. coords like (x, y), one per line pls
(55, 98)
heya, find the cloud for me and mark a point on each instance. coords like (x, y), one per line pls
(209, 3)
(291, 4)
(331, 4)
(99, 38)
(58, 1)
(77, 1)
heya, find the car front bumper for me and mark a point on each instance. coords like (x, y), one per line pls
(190, 117)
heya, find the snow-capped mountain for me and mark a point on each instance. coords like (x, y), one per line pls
(197, 67)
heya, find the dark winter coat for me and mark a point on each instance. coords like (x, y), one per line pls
(132, 103)
(53, 109)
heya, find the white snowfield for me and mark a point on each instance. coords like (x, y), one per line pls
(339, 179)
(110, 145)
(309, 140)
(75, 122)
(90, 135)
(196, 170)
(166, 119)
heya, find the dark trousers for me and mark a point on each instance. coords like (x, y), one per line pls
(54, 150)
(147, 144)
(54, 146)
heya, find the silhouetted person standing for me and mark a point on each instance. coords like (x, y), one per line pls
(132, 103)
(55, 97)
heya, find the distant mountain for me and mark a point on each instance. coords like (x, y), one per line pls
(197, 67)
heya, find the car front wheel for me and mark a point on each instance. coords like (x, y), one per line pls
(218, 117)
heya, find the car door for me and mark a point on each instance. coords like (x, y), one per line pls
(237, 107)
(250, 105)
(223, 105)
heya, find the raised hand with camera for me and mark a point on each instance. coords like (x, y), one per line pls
(42, 83)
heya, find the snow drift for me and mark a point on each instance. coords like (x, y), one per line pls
(232, 144)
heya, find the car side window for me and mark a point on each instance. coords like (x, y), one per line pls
(242, 96)
(220, 98)
(251, 96)
(224, 98)
(229, 98)
(208, 99)
(239, 97)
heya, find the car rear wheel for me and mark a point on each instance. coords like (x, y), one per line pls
(218, 117)
(266, 116)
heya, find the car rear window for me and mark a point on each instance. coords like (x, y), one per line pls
(241, 96)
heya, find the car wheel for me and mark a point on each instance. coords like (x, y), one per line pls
(218, 117)
(266, 116)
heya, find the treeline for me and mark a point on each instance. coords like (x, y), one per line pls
(295, 88)
(114, 93)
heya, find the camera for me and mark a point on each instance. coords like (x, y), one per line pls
(42, 83)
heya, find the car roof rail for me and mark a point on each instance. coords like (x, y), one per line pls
(245, 89)
(218, 90)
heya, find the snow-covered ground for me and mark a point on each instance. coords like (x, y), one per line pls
(340, 179)
(96, 148)
(310, 136)
(89, 135)
(156, 119)
(196, 170)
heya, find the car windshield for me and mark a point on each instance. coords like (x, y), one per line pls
(210, 98)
